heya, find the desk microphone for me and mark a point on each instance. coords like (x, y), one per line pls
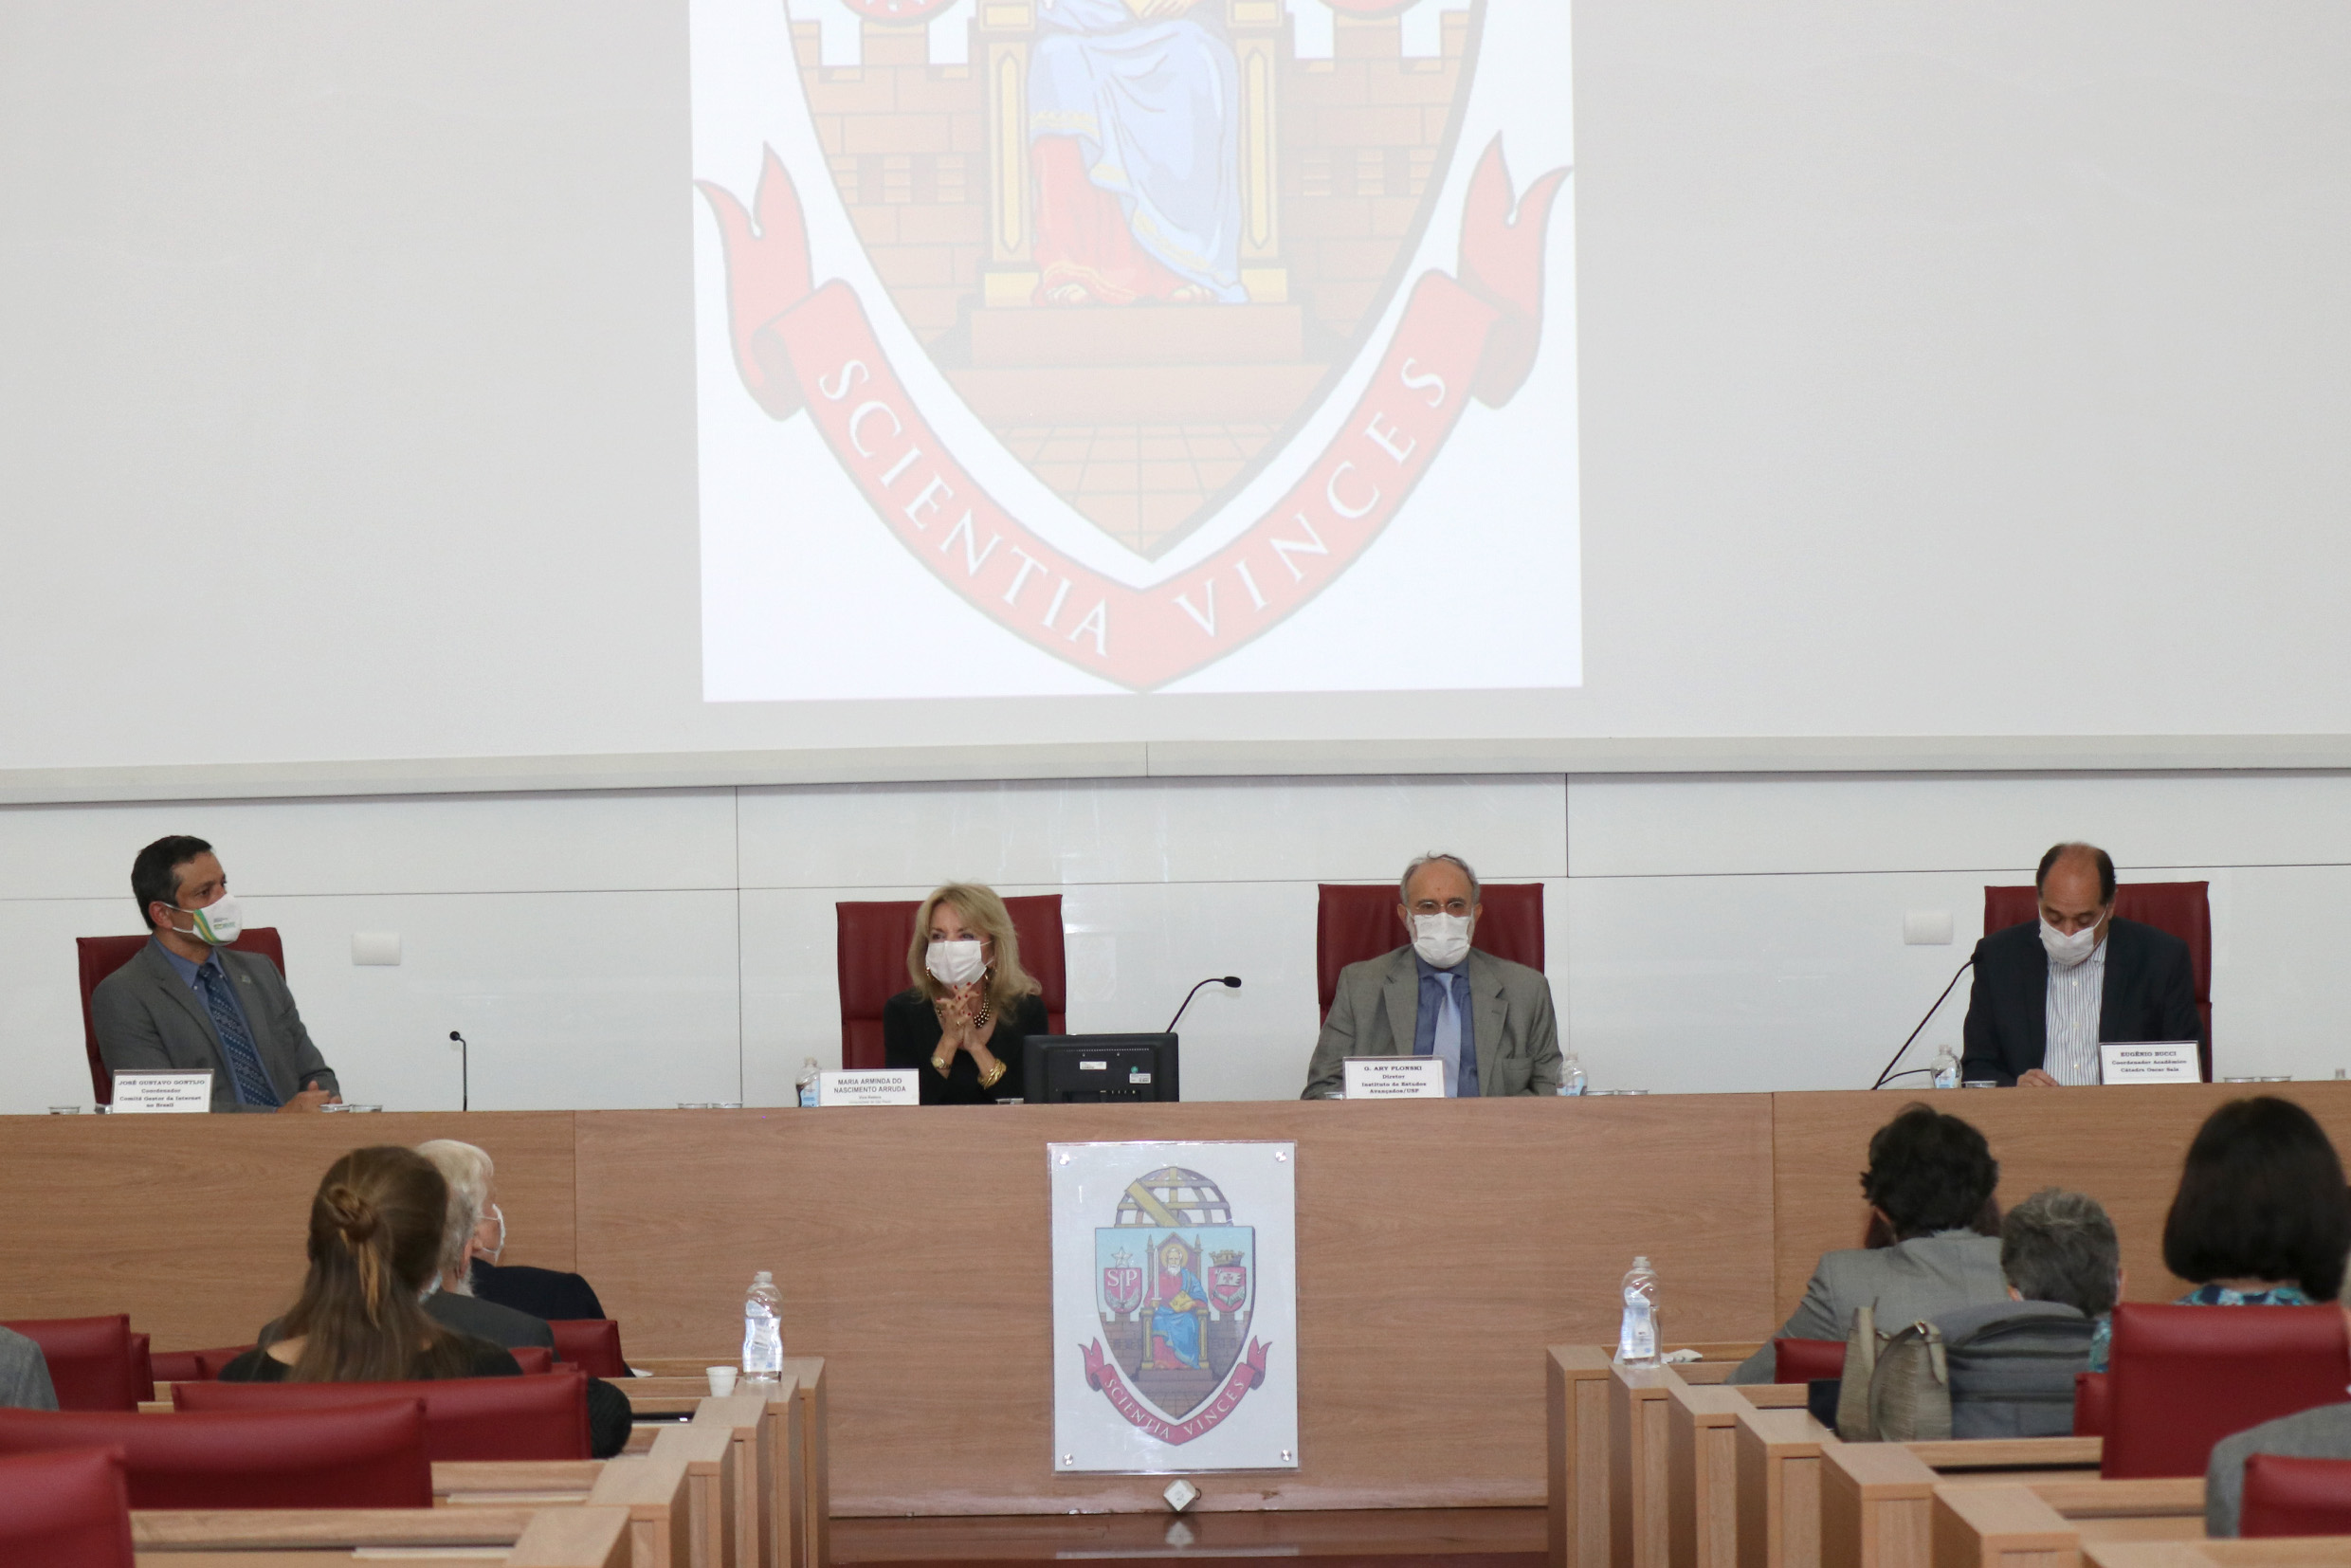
(1232, 980)
(1889, 1073)
(464, 1072)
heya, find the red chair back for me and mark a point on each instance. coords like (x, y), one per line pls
(1353, 922)
(194, 1366)
(102, 956)
(869, 948)
(2295, 1496)
(2090, 1398)
(2182, 908)
(543, 1418)
(68, 1510)
(2180, 1379)
(533, 1358)
(357, 1456)
(1802, 1361)
(143, 1366)
(591, 1344)
(91, 1364)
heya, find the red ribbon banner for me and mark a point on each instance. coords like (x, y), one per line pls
(798, 345)
(1103, 1373)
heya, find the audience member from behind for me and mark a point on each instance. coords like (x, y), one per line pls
(24, 1374)
(965, 1024)
(2013, 1362)
(544, 1293)
(375, 1227)
(186, 1001)
(1930, 1250)
(2261, 1217)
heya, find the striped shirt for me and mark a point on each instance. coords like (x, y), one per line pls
(2071, 1016)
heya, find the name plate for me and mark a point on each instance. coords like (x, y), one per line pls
(880, 1086)
(149, 1093)
(1396, 1078)
(2152, 1062)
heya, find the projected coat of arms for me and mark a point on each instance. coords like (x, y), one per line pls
(1133, 324)
(1174, 1311)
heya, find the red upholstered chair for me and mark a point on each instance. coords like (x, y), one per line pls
(870, 947)
(102, 956)
(533, 1358)
(2180, 1379)
(2182, 908)
(194, 1366)
(2295, 1496)
(143, 1366)
(1802, 1361)
(68, 1510)
(91, 1365)
(591, 1344)
(542, 1418)
(1353, 922)
(2091, 1396)
(354, 1456)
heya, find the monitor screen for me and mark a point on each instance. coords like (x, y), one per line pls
(1087, 1069)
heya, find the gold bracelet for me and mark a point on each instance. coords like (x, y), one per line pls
(939, 1064)
(989, 1079)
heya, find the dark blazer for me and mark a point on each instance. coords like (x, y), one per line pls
(147, 1020)
(2149, 995)
(502, 1326)
(546, 1293)
(910, 1033)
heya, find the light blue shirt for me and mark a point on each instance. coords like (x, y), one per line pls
(192, 974)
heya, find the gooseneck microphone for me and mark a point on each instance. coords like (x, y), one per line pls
(464, 1072)
(1889, 1073)
(1232, 980)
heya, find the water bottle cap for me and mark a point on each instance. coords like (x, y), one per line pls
(1640, 1260)
(762, 1277)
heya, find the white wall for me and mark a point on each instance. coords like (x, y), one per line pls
(639, 949)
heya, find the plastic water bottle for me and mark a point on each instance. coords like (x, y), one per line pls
(807, 1083)
(1637, 1342)
(1571, 1079)
(1946, 1068)
(763, 1329)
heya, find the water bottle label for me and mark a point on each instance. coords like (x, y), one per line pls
(1637, 1339)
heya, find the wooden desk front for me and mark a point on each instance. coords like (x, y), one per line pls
(1441, 1248)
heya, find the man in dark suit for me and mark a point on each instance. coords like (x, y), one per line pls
(186, 1002)
(2047, 994)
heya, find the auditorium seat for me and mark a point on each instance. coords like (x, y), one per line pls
(143, 1366)
(2182, 908)
(2180, 1379)
(65, 1509)
(2089, 1404)
(869, 952)
(1802, 1361)
(542, 1418)
(2295, 1496)
(91, 1364)
(591, 1344)
(367, 1455)
(533, 1358)
(1353, 922)
(102, 956)
(192, 1366)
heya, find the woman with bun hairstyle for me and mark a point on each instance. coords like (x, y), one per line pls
(964, 1024)
(374, 1255)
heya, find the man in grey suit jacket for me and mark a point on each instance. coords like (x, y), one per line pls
(170, 1006)
(2323, 1432)
(1490, 1020)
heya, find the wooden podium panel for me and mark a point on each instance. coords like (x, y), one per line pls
(1441, 1248)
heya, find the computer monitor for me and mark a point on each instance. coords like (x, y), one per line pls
(1063, 1070)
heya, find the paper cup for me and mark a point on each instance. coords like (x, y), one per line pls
(721, 1380)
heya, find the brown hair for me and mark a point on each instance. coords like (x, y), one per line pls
(376, 1226)
(984, 912)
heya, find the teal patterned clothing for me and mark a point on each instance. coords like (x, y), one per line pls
(2203, 1295)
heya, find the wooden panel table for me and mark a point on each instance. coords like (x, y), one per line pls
(1441, 1248)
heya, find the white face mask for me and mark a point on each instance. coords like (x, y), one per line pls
(491, 1257)
(954, 963)
(217, 922)
(1442, 939)
(2068, 952)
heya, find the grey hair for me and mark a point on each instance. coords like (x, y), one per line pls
(2060, 1246)
(468, 1172)
(1404, 883)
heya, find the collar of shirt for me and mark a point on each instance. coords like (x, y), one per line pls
(186, 970)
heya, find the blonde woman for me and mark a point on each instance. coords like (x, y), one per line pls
(972, 1007)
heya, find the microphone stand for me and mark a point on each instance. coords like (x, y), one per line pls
(1232, 980)
(1890, 1074)
(464, 1072)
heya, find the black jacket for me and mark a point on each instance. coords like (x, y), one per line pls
(2149, 995)
(910, 1033)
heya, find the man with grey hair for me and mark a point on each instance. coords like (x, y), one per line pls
(2012, 1363)
(1488, 1020)
(470, 1174)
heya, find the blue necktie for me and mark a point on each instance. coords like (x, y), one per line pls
(1467, 1081)
(245, 1061)
(1447, 1032)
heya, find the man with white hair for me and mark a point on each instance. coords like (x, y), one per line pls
(1488, 1020)
(468, 1172)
